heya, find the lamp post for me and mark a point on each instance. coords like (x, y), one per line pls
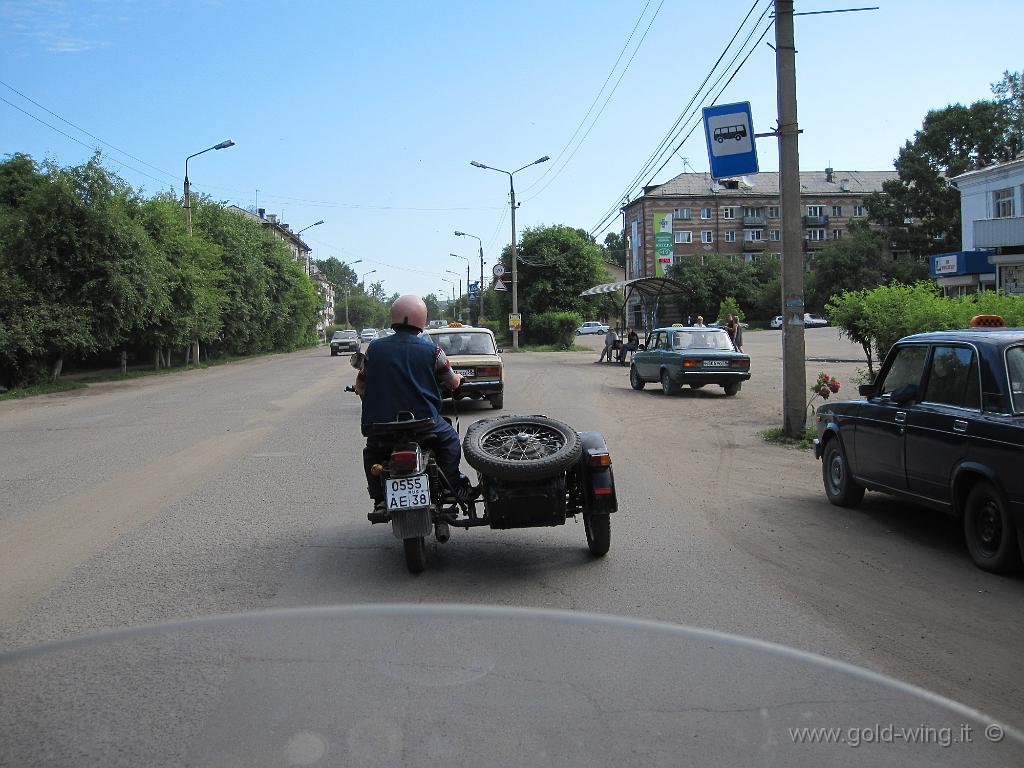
(347, 289)
(314, 224)
(452, 284)
(458, 275)
(362, 280)
(480, 317)
(512, 202)
(188, 188)
(469, 315)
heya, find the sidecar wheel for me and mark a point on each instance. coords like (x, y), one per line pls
(599, 533)
(521, 447)
(415, 554)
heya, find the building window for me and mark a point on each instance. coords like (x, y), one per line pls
(773, 211)
(837, 210)
(728, 212)
(815, 234)
(815, 210)
(752, 235)
(1003, 203)
(730, 236)
(705, 213)
(772, 255)
(837, 234)
(682, 213)
(707, 236)
(858, 211)
(684, 237)
(775, 235)
(751, 211)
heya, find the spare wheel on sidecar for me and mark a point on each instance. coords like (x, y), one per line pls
(521, 447)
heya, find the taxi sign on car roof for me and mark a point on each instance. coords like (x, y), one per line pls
(988, 321)
(454, 325)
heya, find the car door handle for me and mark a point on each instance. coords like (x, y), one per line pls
(901, 417)
(959, 425)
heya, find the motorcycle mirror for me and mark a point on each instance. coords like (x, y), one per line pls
(356, 360)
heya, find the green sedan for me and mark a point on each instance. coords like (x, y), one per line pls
(689, 355)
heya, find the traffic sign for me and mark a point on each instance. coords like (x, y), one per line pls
(499, 286)
(498, 270)
(515, 322)
(729, 130)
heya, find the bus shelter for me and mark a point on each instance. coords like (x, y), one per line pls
(647, 292)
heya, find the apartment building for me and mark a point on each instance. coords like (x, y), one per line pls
(693, 215)
(297, 247)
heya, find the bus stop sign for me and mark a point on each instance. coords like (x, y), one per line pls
(729, 130)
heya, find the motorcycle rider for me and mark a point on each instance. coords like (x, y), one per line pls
(405, 372)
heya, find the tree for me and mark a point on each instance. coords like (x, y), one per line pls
(556, 264)
(707, 285)
(615, 249)
(433, 307)
(921, 209)
(338, 272)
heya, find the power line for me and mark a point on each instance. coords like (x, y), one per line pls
(688, 112)
(90, 135)
(596, 98)
(603, 106)
(79, 141)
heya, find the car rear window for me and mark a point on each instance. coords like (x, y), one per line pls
(464, 343)
(1015, 371)
(717, 340)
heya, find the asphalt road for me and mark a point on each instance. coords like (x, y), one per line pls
(239, 487)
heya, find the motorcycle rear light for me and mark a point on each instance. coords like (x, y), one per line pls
(600, 460)
(403, 461)
(488, 370)
(692, 363)
(602, 491)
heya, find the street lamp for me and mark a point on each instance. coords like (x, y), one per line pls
(458, 275)
(188, 189)
(452, 284)
(480, 317)
(357, 261)
(512, 202)
(469, 314)
(362, 280)
(314, 224)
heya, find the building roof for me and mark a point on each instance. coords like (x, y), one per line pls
(766, 184)
(1009, 165)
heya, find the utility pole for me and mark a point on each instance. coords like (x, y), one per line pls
(794, 374)
(515, 273)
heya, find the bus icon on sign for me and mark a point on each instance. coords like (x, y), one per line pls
(736, 132)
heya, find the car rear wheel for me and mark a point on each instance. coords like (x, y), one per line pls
(521, 447)
(989, 531)
(497, 401)
(732, 389)
(667, 385)
(634, 378)
(840, 488)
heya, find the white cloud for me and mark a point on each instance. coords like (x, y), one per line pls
(60, 27)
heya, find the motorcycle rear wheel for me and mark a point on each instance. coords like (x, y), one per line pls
(415, 554)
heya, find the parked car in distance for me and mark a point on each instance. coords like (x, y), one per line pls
(592, 326)
(367, 335)
(344, 341)
(812, 320)
(722, 324)
(688, 355)
(942, 425)
(473, 355)
(776, 322)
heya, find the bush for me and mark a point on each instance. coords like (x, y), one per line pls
(499, 329)
(729, 306)
(557, 328)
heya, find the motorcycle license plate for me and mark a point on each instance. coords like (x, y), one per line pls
(407, 492)
(466, 373)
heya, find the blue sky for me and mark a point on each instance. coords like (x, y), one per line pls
(367, 114)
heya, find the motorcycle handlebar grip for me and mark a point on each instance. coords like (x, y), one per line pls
(350, 389)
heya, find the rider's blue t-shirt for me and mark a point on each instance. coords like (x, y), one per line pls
(400, 375)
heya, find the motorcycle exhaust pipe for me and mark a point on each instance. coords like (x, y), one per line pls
(442, 532)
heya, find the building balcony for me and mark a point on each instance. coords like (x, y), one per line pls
(815, 221)
(998, 233)
(755, 221)
(752, 246)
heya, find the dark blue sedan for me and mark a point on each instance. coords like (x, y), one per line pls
(694, 356)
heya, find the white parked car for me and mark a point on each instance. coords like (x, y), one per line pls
(776, 321)
(592, 326)
(814, 321)
(367, 335)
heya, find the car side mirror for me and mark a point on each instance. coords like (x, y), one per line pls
(642, 347)
(500, 350)
(905, 394)
(866, 390)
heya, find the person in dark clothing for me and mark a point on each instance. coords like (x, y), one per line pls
(632, 342)
(405, 372)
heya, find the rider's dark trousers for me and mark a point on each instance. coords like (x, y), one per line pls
(443, 440)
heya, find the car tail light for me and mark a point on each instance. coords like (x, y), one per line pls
(741, 362)
(691, 362)
(404, 461)
(488, 370)
(597, 459)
